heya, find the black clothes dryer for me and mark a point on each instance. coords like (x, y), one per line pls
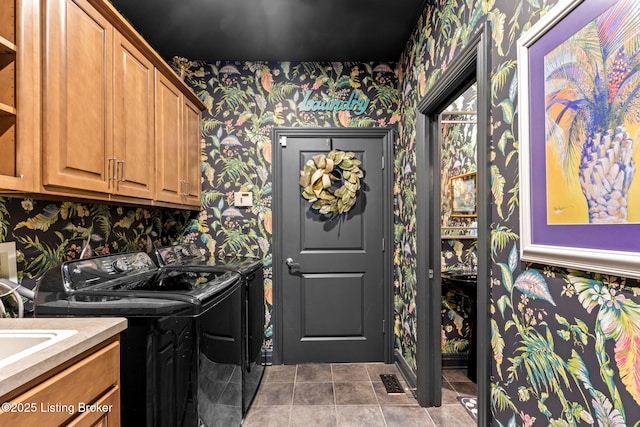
(180, 323)
(187, 258)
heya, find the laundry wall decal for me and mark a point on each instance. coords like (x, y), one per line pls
(357, 105)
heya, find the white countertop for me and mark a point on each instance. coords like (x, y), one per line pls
(91, 331)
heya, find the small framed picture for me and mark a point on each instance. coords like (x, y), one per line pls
(463, 195)
(8, 267)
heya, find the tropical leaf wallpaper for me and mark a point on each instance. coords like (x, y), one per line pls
(246, 101)
(48, 233)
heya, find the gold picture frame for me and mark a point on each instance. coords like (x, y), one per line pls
(463, 189)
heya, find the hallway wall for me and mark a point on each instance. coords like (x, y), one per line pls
(564, 343)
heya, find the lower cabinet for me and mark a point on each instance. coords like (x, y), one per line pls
(86, 393)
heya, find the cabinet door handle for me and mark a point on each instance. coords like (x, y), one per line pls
(122, 179)
(182, 193)
(112, 165)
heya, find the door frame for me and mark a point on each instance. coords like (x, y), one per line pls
(387, 135)
(472, 64)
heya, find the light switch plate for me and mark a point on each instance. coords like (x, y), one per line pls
(243, 199)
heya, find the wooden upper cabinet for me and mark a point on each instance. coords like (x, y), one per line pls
(169, 141)
(178, 146)
(88, 109)
(77, 121)
(192, 172)
(133, 127)
(99, 105)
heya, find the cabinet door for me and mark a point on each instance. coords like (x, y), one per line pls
(133, 110)
(192, 172)
(169, 155)
(107, 413)
(77, 96)
(93, 379)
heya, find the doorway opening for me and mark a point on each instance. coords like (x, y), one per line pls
(471, 67)
(459, 237)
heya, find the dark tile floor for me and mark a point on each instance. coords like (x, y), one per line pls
(351, 395)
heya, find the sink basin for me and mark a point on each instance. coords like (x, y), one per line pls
(18, 343)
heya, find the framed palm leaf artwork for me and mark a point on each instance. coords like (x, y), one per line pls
(579, 120)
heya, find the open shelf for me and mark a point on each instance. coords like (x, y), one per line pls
(8, 113)
(7, 110)
(6, 46)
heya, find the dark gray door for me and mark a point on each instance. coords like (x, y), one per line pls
(332, 293)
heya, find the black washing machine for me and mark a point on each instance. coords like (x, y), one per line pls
(184, 330)
(187, 258)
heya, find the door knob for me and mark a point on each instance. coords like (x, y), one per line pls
(292, 265)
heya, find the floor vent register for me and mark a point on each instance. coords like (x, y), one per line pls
(391, 384)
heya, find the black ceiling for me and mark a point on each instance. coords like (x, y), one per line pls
(275, 30)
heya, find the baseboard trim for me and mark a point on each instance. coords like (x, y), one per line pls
(455, 361)
(406, 370)
(268, 356)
